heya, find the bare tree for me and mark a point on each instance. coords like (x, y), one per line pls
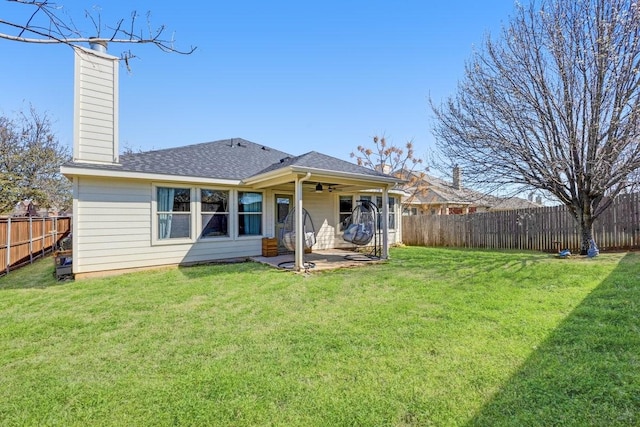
(392, 159)
(49, 23)
(553, 104)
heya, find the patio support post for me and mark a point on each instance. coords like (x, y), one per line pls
(385, 222)
(299, 253)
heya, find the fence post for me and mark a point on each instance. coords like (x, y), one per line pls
(8, 243)
(44, 234)
(30, 240)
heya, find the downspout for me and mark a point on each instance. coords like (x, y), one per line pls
(299, 255)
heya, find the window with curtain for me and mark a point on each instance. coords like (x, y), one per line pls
(249, 213)
(174, 213)
(345, 206)
(214, 209)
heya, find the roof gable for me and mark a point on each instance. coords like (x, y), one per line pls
(315, 160)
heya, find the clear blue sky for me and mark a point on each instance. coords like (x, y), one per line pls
(294, 75)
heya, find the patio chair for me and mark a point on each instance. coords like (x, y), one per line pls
(288, 235)
(360, 228)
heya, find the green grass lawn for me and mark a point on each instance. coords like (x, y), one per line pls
(432, 337)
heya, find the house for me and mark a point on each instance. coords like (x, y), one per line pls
(201, 202)
(435, 196)
(27, 207)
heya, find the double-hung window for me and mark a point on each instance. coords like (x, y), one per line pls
(188, 214)
(346, 207)
(392, 213)
(214, 210)
(249, 213)
(174, 213)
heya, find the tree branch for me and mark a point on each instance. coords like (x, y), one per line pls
(61, 31)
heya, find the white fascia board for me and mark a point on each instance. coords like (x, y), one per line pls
(322, 174)
(349, 175)
(103, 173)
(391, 191)
(277, 174)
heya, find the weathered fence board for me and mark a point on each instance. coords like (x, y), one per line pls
(541, 229)
(22, 240)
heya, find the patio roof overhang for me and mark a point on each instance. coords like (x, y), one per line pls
(298, 175)
(289, 175)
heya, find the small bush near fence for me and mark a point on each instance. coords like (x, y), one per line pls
(545, 229)
(23, 240)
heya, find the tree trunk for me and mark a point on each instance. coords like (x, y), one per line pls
(586, 231)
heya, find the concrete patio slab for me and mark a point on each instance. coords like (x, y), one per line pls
(320, 260)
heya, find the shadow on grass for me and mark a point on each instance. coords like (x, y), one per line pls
(467, 262)
(587, 372)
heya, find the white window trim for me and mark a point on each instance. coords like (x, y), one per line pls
(196, 216)
(374, 199)
(155, 241)
(338, 211)
(230, 220)
(236, 214)
(393, 212)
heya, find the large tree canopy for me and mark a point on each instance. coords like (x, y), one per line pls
(553, 104)
(30, 159)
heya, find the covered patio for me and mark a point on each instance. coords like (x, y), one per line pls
(309, 174)
(326, 259)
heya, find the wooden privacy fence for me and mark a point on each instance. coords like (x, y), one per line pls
(22, 240)
(541, 229)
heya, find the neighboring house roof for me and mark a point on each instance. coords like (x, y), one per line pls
(230, 159)
(509, 203)
(440, 191)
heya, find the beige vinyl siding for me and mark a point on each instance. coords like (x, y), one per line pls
(269, 212)
(96, 107)
(114, 231)
(322, 208)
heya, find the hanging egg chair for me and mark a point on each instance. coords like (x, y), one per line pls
(288, 236)
(360, 228)
(288, 233)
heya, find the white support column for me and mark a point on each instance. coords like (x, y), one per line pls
(385, 223)
(299, 253)
(299, 261)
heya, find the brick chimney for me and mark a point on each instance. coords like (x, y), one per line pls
(95, 128)
(457, 177)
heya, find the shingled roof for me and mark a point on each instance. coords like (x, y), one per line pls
(233, 159)
(316, 160)
(441, 191)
